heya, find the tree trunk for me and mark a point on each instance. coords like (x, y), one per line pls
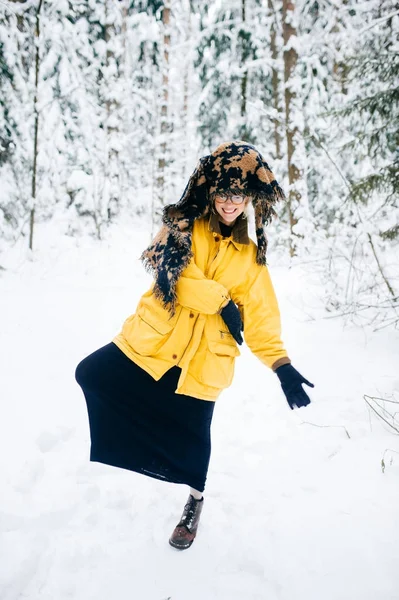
(244, 78)
(164, 103)
(275, 79)
(124, 76)
(36, 127)
(340, 68)
(186, 91)
(292, 133)
(112, 183)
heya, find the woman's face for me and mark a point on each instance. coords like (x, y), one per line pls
(229, 207)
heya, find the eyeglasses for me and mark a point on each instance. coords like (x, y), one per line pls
(234, 199)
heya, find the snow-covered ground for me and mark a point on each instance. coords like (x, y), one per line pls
(297, 506)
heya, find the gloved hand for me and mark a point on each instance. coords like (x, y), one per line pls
(291, 382)
(231, 316)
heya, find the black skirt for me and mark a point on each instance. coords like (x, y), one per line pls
(140, 424)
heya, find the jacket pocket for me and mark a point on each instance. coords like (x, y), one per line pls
(219, 360)
(145, 332)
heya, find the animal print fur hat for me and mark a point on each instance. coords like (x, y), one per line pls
(235, 167)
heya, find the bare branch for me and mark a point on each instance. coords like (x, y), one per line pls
(329, 426)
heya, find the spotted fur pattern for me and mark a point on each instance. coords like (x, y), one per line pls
(235, 167)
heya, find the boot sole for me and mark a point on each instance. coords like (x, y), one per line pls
(179, 546)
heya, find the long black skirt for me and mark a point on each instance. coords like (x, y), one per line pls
(140, 424)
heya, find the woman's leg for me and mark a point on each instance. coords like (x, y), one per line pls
(186, 530)
(195, 493)
(121, 423)
(94, 367)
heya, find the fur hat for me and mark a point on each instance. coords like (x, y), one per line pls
(235, 167)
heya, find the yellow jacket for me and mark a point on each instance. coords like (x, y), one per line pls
(196, 338)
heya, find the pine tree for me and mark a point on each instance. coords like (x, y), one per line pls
(231, 42)
(373, 117)
(358, 159)
(16, 120)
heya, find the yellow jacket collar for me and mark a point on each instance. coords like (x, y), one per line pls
(239, 231)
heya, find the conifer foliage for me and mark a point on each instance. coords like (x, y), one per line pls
(106, 105)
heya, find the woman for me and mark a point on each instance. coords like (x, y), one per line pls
(150, 393)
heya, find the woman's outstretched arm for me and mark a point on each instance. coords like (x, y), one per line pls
(262, 326)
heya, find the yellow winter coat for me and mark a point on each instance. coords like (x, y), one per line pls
(196, 338)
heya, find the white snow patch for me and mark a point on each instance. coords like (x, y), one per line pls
(296, 507)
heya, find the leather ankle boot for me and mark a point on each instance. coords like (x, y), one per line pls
(186, 530)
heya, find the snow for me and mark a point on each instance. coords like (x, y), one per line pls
(296, 507)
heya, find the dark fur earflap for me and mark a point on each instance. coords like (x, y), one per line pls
(233, 167)
(194, 202)
(170, 252)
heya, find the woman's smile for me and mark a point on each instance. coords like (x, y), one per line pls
(229, 211)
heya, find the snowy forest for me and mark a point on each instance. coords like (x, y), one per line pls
(106, 106)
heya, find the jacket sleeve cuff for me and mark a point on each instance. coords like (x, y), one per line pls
(225, 302)
(280, 362)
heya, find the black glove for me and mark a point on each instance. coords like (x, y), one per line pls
(291, 382)
(231, 316)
